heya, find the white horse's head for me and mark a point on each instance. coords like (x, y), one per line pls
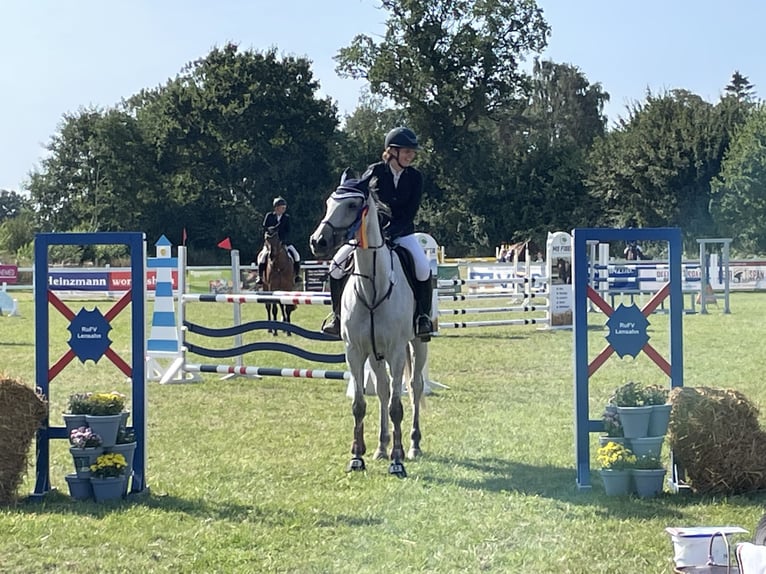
(343, 217)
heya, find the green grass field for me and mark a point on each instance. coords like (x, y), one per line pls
(249, 475)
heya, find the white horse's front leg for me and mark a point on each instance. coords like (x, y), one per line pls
(355, 361)
(383, 390)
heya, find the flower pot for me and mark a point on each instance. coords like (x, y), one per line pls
(659, 419)
(127, 450)
(79, 488)
(616, 482)
(603, 439)
(105, 426)
(107, 488)
(124, 420)
(648, 482)
(648, 446)
(73, 422)
(635, 421)
(83, 458)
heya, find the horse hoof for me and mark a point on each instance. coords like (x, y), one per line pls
(355, 464)
(414, 453)
(397, 469)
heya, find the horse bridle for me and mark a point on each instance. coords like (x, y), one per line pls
(345, 235)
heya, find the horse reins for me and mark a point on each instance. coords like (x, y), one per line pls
(347, 235)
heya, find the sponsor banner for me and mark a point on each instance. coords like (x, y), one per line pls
(9, 274)
(120, 280)
(99, 280)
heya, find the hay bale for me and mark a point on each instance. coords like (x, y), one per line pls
(715, 435)
(21, 411)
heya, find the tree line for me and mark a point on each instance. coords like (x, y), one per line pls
(509, 154)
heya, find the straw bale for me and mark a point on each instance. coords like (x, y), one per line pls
(716, 437)
(21, 412)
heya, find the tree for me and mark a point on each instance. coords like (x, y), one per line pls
(738, 201)
(740, 87)
(655, 168)
(99, 175)
(450, 65)
(543, 148)
(11, 204)
(231, 132)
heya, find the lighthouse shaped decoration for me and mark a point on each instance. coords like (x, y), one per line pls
(163, 337)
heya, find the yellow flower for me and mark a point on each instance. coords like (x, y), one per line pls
(615, 456)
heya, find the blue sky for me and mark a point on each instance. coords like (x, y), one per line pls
(58, 55)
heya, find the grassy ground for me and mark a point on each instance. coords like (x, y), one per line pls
(248, 475)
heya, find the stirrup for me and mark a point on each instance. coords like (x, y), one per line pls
(331, 327)
(424, 327)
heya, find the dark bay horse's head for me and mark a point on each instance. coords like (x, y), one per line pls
(272, 241)
(342, 217)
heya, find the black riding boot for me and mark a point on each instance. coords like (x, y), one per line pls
(336, 291)
(423, 325)
(261, 273)
(297, 271)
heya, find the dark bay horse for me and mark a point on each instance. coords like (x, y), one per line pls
(279, 275)
(377, 310)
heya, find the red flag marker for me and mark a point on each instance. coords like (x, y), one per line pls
(225, 244)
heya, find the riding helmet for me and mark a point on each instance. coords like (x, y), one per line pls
(279, 201)
(402, 137)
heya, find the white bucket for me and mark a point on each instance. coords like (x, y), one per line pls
(691, 545)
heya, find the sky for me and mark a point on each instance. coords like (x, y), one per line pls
(62, 55)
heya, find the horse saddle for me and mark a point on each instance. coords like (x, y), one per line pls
(408, 266)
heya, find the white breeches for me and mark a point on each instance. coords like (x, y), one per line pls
(409, 242)
(290, 249)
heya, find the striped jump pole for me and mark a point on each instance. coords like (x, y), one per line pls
(269, 372)
(503, 322)
(257, 298)
(477, 310)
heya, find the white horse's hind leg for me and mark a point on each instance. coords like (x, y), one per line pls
(384, 393)
(416, 383)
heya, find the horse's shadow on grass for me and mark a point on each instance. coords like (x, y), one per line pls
(269, 514)
(502, 475)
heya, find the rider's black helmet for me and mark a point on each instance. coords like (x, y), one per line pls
(402, 137)
(279, 201)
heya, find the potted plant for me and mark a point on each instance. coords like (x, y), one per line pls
(612, 426)
(107, 476)
(126, 446)
(85, 448)
(77, 409)
(648, 476)
(629, 398)
(656, 396)
(105, 415)
(615, 460)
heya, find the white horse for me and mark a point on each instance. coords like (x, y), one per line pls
(377, 311)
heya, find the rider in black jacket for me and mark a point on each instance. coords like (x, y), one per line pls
(400, 186)
(281, 221)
